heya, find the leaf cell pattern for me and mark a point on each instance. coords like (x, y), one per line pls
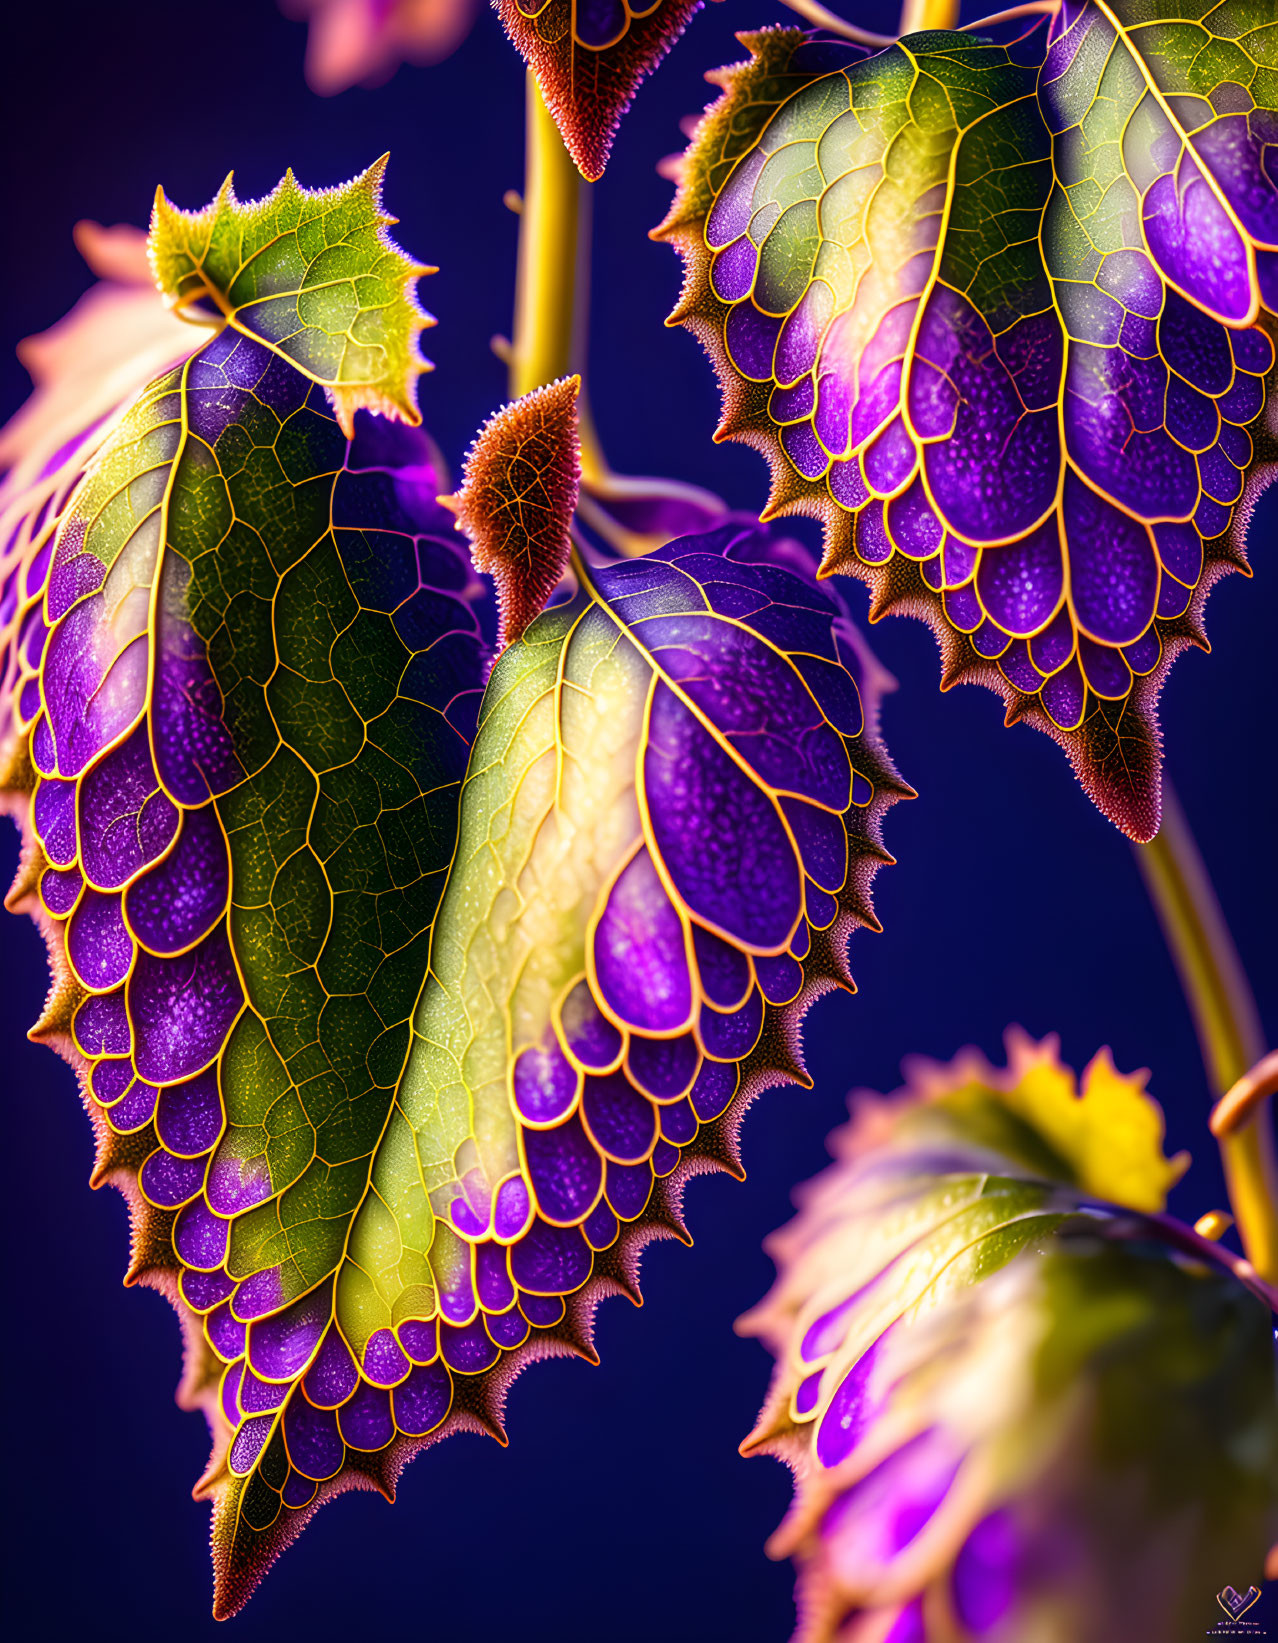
(259, 665)
(589, 58)
(997, 313)
(381, 1148)
(602, 1000)
(1002, 1399)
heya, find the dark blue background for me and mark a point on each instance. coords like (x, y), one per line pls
(621, 1511)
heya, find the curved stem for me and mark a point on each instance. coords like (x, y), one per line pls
(1225, 1016)
(549, 224)
(813, 12)
(1241, 1103)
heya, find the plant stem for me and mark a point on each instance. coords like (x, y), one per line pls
(917, 15)
(549, 222)
(1225, 1016)
(552, 293)
(812, 11)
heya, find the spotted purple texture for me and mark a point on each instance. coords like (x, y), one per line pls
(420, 1340)
(544, 1311)
(423, 1399)
(188, 1119)
(202, 1291)
(136, 1109)
(226, 1332)
(365, 1420)
(180, 900)
(169, 1181)
(184, 1008)
(565, 1170)
(125, 821)
(550, 1260)
(508, 1329)
(492, 1278)
(385, 1363)
(514, 1208)
(332, 1376)
(248, 1444)
(665, 1067)
(53, 813)
(109, 1080)
(720, 833)
(639, 951)
(98, 944)
(314, 1442)
(200, 1237)
(712, 1093)
(628, 1187)
(101, 1025)
(731, 1037)
(193, 745)
(280, 1346)
(1019, 433)
(545, 1084)
(468, 1349)
(619, 1117)
(60, 888)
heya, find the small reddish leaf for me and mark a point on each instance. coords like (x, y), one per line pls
(589, 60)
(518, 493)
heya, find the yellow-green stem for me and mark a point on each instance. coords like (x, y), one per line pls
(1226, 1019)
(549, 222)
(917, 15)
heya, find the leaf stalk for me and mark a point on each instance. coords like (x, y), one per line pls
(823, 18)
(918, 15)
(549, 235)
(1227, 1023)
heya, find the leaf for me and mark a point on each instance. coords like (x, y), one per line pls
(1101, 1134)
(944, 293)
(602, 1002)
(313, 276)
(335, 1102)
(518, 493)
(1004, 1410)
(363, 42)
(589, 62)
(244, 662)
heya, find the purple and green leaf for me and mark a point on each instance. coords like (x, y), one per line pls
(998, 314)
(1018, 1400)
(603, 998)
(400, 1038)
(249, 665)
